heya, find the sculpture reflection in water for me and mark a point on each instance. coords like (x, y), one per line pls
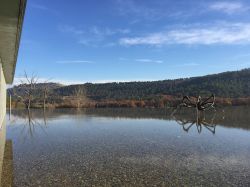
(199, 122)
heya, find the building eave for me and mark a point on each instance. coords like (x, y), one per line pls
(10, 31)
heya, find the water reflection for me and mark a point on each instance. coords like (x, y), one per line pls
(30, 121)
(237, 117)
(200, 121)
(131, 147)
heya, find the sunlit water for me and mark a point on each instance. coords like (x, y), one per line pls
(130, 147)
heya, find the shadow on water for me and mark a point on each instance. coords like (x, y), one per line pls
(6, 159)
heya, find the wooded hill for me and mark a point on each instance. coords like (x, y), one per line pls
(235, 84)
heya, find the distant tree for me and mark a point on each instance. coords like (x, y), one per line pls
(45, 96)
(80, 96)
(45, 93)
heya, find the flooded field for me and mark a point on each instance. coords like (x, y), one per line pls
(129, 147)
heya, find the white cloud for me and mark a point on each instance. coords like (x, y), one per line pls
(149, 61)
(18, 81)
(187, 65)
(70, 29)
(94, 30)
(137, 11)
(142, 60)
(38, 6)
(119, 80)
(94, 36)
(228, 7)
(43, 8)
(223, 33)
(122, 58)
(107, 31)
(22, 79)
(74, 62)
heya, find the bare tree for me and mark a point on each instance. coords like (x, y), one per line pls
(45, 96)
(29, 84)
(80, 95)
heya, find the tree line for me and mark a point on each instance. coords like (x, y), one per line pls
(230, 88)
(227, 85)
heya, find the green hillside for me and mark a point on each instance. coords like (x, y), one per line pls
(229, 84)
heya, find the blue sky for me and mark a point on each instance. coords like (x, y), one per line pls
(81, 41)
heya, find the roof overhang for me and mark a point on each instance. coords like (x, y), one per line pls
(11, 21)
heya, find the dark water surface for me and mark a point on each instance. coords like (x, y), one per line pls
(130, 147)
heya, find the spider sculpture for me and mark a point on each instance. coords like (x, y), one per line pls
(199, 104)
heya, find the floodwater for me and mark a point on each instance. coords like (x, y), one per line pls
(129, 147)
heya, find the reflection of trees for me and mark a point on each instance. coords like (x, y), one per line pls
(200, 121)
(45, 117)
(30, 124)
(237, 117)
(29, 128)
